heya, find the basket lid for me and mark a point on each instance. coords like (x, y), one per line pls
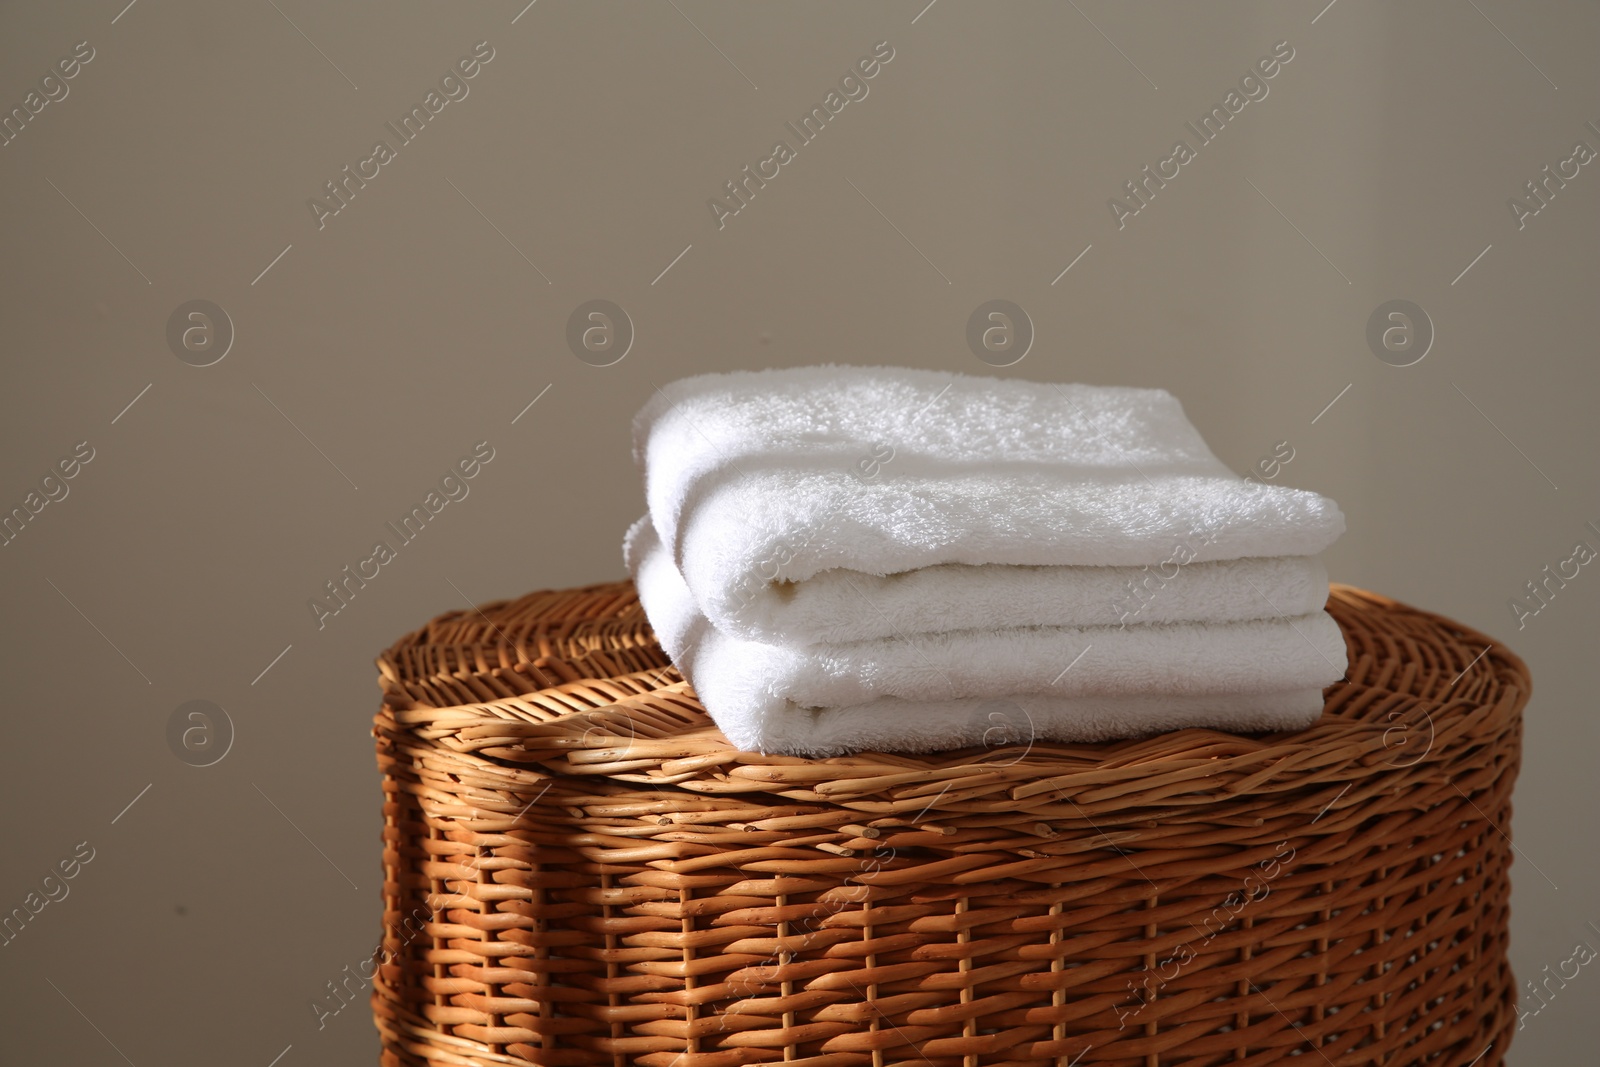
(572, 683)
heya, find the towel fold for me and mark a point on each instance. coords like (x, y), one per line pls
(847, 605)
(926, 691)
(755, 479)
(894, 725)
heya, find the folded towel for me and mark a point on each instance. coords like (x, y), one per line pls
(923, 692)
(757, 478)
(940, 725)
(847, 605)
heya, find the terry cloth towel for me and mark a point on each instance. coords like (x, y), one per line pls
(925, 692)
(756, 479)
(847, 605)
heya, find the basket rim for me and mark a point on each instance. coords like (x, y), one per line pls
(645, 727)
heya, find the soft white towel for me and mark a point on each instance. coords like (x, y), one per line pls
(756, 478)
(924, 692)
(847, 605)
(1007, 722)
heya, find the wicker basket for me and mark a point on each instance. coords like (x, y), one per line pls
(579, 870)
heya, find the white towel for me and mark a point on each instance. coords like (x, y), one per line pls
(925, 692)
(847, 605)
(757, 478)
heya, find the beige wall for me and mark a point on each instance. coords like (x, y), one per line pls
(406, 329)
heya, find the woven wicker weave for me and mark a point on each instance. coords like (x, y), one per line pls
(579, 870)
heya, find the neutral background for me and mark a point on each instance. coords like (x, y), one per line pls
(428, 313)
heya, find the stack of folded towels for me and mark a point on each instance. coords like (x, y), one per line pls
(864, 558)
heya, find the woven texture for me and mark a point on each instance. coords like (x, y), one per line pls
(579, 870)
